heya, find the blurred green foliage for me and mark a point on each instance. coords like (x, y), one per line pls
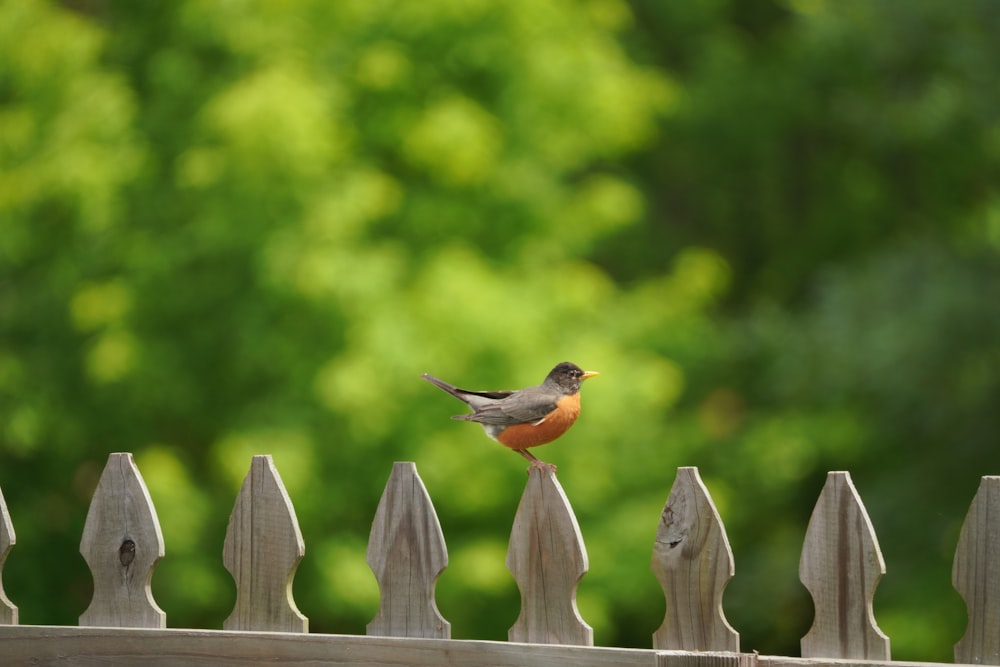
(247, 227)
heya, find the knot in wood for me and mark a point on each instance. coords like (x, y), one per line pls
(667, 518)
(673, 540)
(126, 553)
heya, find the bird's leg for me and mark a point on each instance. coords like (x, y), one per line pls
(536, 462)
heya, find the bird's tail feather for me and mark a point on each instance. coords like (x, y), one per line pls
(451, 389)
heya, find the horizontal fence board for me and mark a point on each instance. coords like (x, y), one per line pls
(678, 658)
(39, 645)
(51, 645)
(781, 661)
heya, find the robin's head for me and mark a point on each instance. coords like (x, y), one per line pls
(568, 377)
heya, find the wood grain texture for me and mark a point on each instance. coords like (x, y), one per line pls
(705, 659)
(262, 550)
(784, 661)
(407, 553)
(547, 557)
(61, 646)
(122, 544)
(693, 562)
(976, 576)
(8, 610)
(841, 565)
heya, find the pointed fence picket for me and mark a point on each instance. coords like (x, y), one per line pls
(976, 576)
(840, 567)
(122, 544)
(8, 610)
(693, 562)
(407, 553)
(547, 558)
(262, 550)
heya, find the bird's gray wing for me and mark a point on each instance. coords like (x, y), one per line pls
(524, 406)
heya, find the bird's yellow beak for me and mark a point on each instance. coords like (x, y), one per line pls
(588, 374)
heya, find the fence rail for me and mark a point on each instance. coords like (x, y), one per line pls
(840, 566)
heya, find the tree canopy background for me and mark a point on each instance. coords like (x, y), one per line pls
(248, 227)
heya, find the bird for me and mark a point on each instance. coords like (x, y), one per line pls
(526, 417)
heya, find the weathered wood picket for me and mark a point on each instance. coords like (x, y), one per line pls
(840, 566)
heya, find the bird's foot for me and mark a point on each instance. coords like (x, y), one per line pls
(536, 463)
(543, 466)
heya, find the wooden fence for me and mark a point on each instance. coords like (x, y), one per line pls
(840, 566)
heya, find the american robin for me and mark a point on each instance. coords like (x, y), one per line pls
(526, 417)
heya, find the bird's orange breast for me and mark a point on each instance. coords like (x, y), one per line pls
(532, 434)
